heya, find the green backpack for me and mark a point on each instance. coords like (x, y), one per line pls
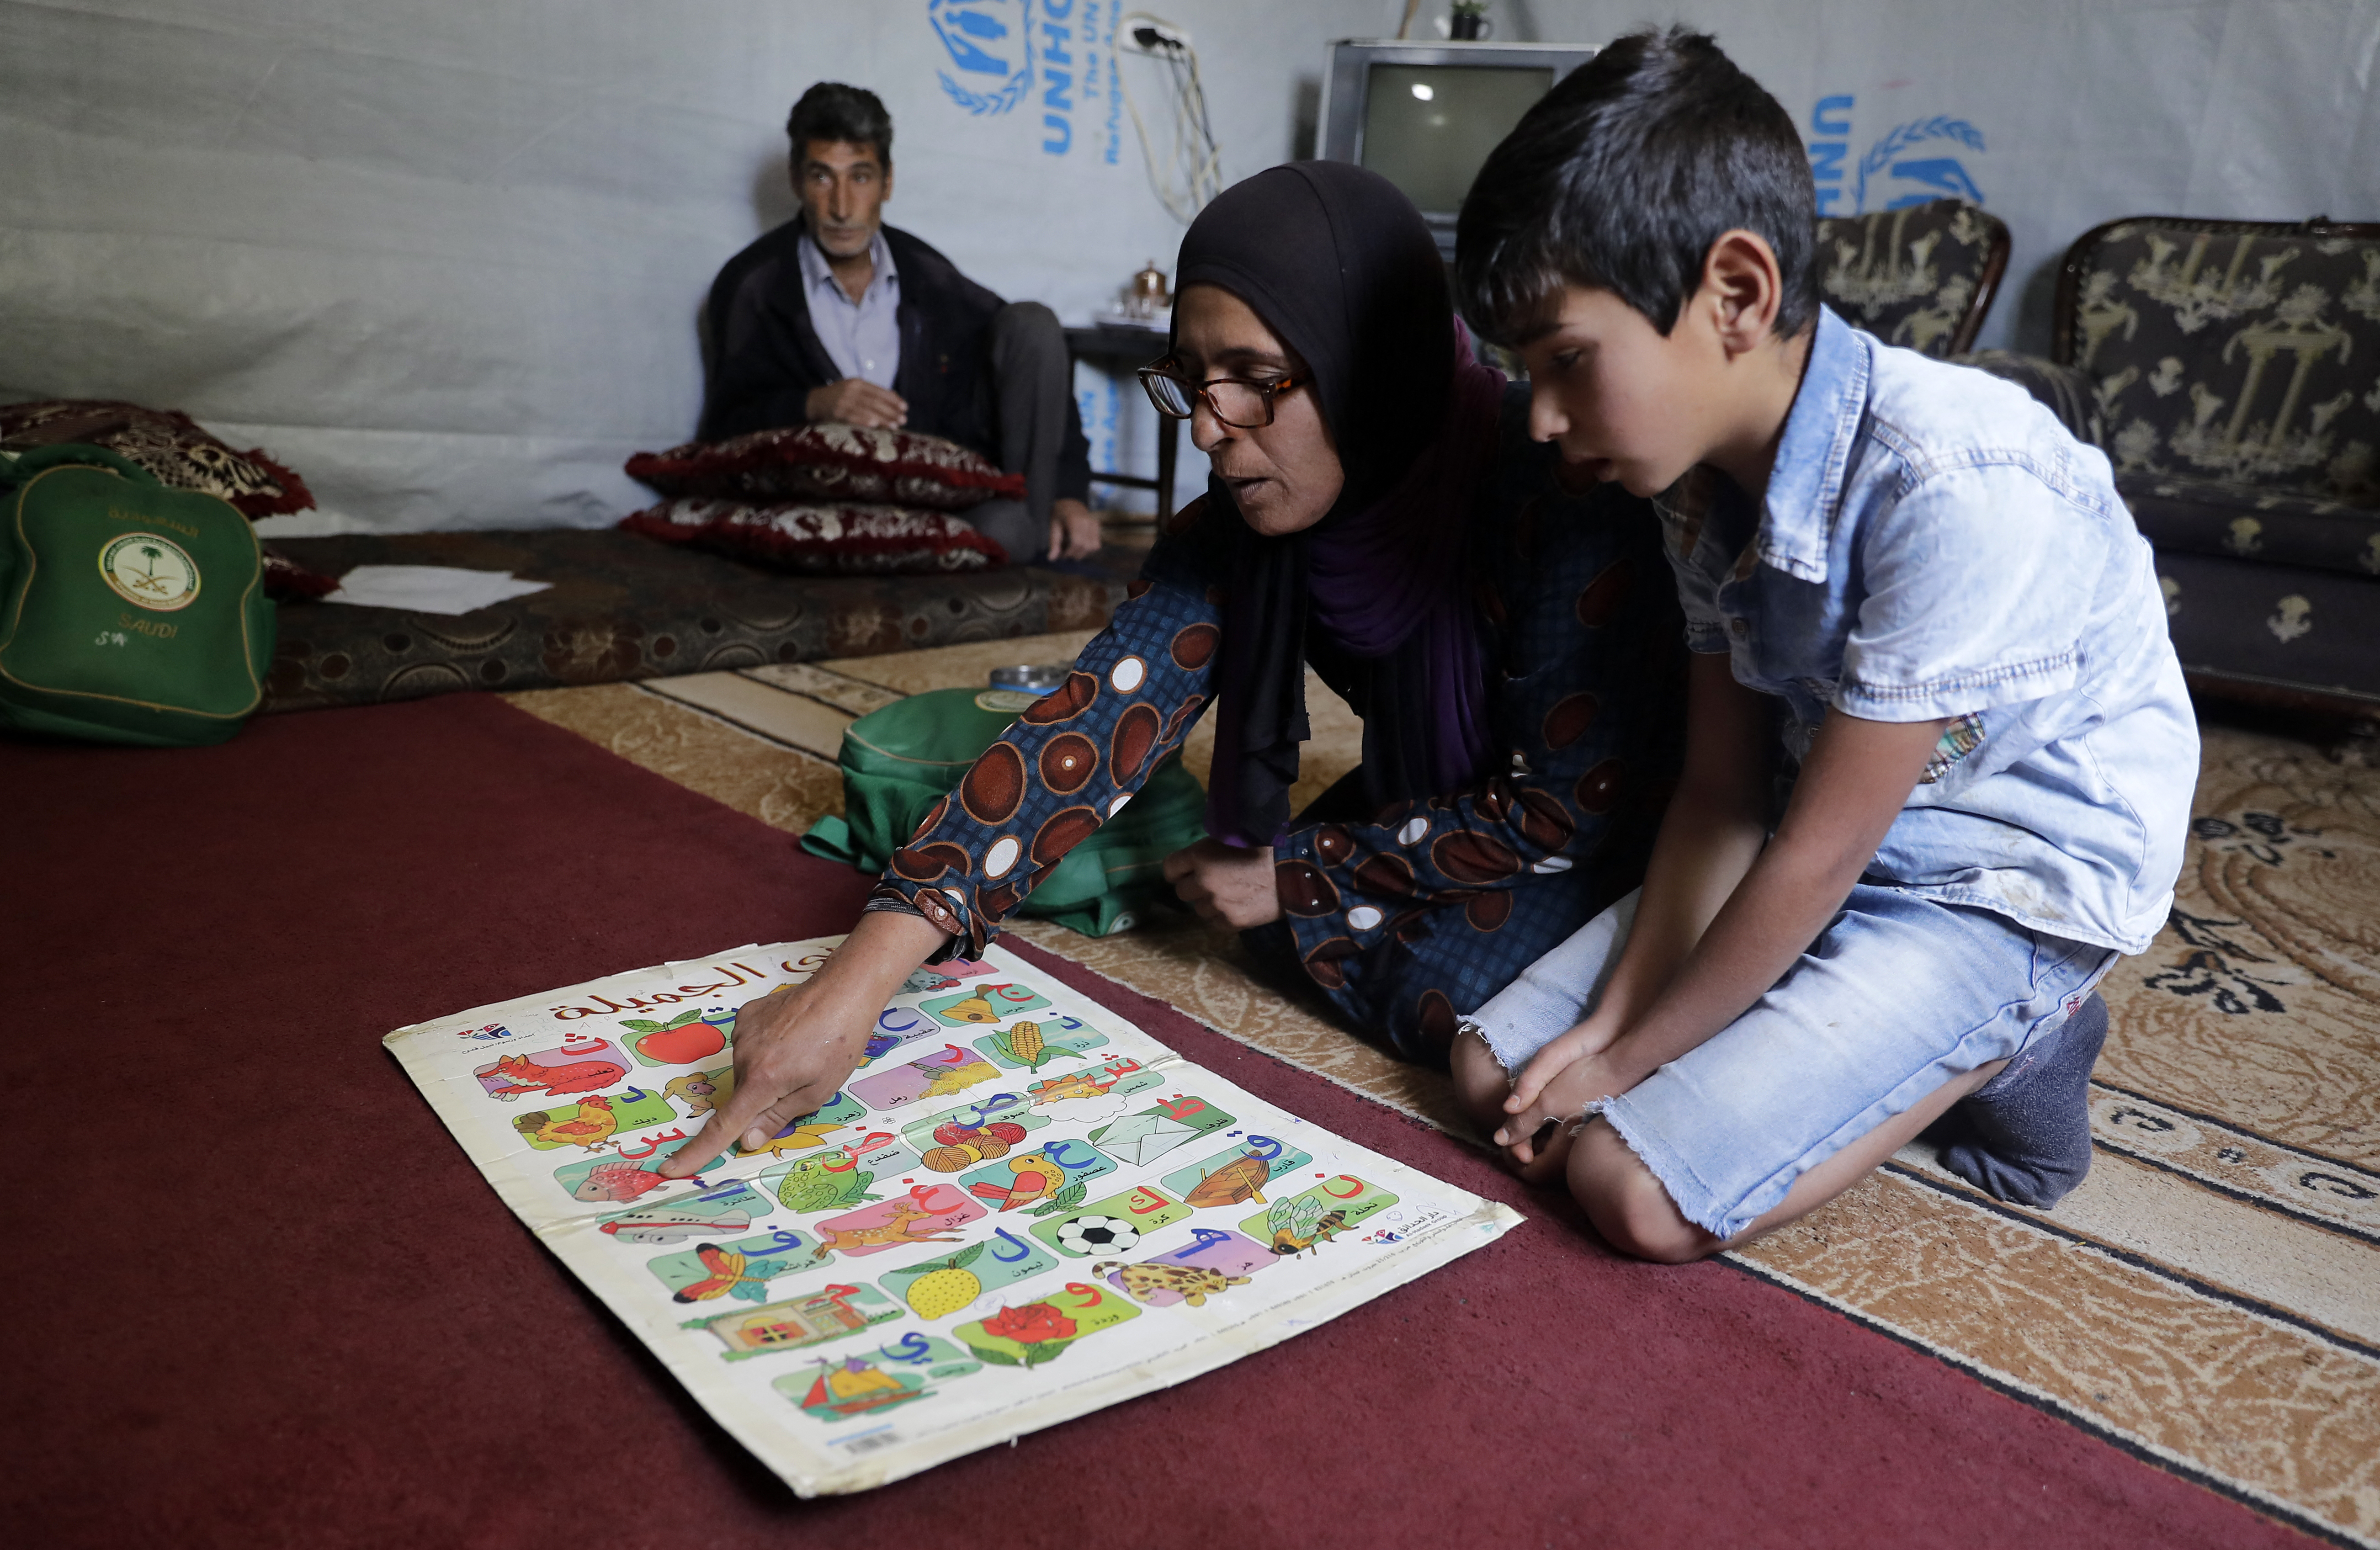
(129, 613)
(899, 761)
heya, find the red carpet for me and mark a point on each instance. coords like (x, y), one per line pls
(259, 1298)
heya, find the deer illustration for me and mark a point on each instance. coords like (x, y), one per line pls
(894, 1230)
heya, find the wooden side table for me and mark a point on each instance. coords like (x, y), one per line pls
(1133, 348)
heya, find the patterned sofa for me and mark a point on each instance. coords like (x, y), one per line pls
(2234, 367)
(1922, 275)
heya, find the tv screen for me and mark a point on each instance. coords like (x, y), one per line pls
(1427, 127)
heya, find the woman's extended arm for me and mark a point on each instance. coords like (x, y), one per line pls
(1052, 779)
(795, 1048)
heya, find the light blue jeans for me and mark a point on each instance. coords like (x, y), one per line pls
(1899, 995)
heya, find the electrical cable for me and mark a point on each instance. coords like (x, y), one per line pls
(1192, 170)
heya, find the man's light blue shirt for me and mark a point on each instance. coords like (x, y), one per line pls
(863, 338)
(1934, 544)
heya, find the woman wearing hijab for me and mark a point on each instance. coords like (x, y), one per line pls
(1377, 509)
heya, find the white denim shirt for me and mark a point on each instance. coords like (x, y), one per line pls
(1935, 544)
(863, 337)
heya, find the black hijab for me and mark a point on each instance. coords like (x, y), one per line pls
(1340, 266)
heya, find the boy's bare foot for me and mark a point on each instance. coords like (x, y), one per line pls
(1481, 1085)
(1538, 1137)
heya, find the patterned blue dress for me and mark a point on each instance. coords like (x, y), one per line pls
(1405, 917)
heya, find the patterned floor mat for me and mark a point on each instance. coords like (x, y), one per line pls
(2210, 1298)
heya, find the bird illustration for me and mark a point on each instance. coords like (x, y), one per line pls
(589, 1125)
(1037, 1177)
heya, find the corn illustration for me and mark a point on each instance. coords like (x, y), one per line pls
(1024, 1044)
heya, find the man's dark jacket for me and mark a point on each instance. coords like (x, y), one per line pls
(765, 356)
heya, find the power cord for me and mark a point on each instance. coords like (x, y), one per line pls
(1192, 170)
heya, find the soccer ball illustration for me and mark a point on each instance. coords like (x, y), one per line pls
(1097, 1235)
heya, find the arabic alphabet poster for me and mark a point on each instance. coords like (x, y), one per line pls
(1020, 1209)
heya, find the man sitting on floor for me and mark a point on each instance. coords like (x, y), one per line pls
(835, 316)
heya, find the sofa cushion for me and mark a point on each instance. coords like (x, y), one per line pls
(829, 461)
(1922, 275)
(823, 538)
(2270, 527)
(168, 443)
(2246, 352)
(2272, 625)
(2062, 390)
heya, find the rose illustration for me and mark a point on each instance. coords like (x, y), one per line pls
(1030, 1325)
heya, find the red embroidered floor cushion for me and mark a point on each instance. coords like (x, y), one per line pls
(829, 461)
(823, 538)
(167, 443)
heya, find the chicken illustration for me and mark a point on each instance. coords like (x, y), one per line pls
(1037, 1177)
(589, 1125)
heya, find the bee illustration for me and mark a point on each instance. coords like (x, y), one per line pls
(1300, 1223)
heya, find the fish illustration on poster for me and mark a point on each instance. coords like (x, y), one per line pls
(618, 1179)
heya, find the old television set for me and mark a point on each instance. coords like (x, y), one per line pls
(1426, 114)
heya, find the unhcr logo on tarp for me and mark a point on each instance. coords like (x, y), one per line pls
(1909, 163)
(1003, 52)
(991, 42)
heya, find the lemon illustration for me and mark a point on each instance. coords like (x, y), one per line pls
(939, 1293)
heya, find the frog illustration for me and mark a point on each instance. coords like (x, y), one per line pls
(811, 1185)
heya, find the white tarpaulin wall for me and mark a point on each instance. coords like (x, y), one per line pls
(444, 259)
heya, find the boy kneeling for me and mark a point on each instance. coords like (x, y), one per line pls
(1933, 591)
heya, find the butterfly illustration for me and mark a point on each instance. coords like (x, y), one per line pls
(731, 1275)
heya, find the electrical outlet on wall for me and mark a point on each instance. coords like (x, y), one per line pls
(1145, 34)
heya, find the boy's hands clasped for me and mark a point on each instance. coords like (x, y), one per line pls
(1554, 1089)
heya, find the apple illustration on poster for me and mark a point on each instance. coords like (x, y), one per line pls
(683, 1040)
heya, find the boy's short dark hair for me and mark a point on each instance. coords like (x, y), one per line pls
(1624, 176)
(832, 111)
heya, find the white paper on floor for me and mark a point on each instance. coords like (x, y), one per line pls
(430, 588)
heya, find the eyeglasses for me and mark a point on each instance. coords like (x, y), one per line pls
(1243, 402)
